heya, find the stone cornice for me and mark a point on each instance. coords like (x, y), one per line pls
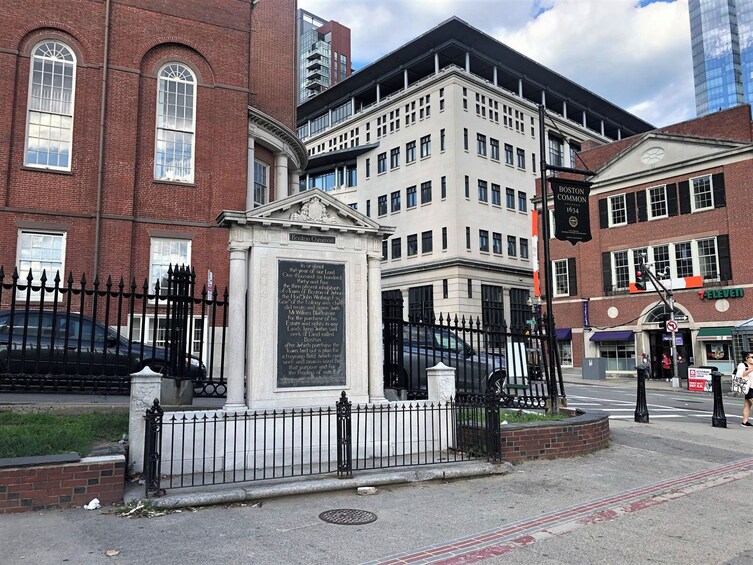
(279, 130)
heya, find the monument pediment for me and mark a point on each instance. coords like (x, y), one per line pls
(658, 153)
(311, 209)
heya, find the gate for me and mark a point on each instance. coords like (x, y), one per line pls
(392, 339)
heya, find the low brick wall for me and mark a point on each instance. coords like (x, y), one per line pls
(40, 483)
(579, 435)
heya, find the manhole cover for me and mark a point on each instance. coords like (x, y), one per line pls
(348, 517)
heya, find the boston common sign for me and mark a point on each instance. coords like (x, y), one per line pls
(571, 217)
(311, 325)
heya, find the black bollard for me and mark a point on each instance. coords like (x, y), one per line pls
(641, 409)
(718, 420)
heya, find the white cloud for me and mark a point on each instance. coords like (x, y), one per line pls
(636, 57)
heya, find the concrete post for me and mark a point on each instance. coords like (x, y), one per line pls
(376, 348)
(146, 386)
(441, 382)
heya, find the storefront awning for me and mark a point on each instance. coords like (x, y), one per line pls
(622, 335)
(715, 333)
(563, 334)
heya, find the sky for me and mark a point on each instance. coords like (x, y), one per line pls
(634, 53)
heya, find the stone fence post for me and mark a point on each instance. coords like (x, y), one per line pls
(146, 385)
(441, 382)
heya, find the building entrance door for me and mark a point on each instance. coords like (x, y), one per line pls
(660, 342)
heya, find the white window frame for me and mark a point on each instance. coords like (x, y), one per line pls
(62, 58)
(650, 202)
(261, 188)
(693, 207)
(627, 265)
(557, 276)
(159, 271)
(23, 269)
(168, 69)
(612, 209)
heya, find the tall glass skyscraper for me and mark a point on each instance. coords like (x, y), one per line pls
(721, 33)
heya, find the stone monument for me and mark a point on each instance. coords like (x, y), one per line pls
(311, 323)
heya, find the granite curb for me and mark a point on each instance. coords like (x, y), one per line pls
(266, 489)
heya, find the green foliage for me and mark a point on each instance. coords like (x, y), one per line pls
(29, 434)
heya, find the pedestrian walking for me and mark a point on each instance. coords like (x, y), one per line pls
(745, 371)
(666, 366)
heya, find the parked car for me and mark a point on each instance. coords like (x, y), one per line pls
(70, 345)
(425, 346)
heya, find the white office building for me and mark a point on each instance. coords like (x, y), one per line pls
(440, 139)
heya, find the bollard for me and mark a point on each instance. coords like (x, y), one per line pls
(718, 420)
(641, 409)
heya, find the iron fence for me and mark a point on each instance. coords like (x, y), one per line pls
(185, 449)
(511, 361)
(64, 336)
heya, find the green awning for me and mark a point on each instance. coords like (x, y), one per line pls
(715, 332)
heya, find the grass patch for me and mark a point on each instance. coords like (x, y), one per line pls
(26, 435)
(520, 417)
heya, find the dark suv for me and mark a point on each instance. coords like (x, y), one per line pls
(425, 346)
(56, 343)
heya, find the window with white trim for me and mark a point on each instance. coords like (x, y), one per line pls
(617, 210)
(39, 251)
(561, 278)
(657, 202)
(620, 270)
(708, 258)
(165, 252)
(49, 119)
(661, 260)
(683, 259)
(702, 194)
(261, 183)
(176, 124)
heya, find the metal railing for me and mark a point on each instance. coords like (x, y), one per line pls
(64, 336)
(185, 449)
(486, 358)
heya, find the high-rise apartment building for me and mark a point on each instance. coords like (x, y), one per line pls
(440, 138)
(323, 54)
(721, 33)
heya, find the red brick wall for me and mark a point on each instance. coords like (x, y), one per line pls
(62, 486)
(567, 438)
(238, 55)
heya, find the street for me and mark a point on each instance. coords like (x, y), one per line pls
(676, 404)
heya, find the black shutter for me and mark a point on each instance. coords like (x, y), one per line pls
(684, 197)
(672, 199)
(725, 265)
(640, 201)
(603, 213)
(720, 200)
(572, 281)
(606, 271)
(630, 207)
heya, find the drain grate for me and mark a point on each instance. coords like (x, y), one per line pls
(348, 517)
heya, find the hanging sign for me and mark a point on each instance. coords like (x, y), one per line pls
(571, 218)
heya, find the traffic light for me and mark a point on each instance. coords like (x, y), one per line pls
(640, 277)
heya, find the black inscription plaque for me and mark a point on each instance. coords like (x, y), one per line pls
(311, 324)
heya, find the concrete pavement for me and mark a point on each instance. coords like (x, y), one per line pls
(664, 492)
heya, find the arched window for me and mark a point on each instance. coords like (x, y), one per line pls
(49, 126)
(176, 124)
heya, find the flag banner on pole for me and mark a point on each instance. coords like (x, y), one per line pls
(571, 218)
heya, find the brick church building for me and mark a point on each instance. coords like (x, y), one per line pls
(127, 126)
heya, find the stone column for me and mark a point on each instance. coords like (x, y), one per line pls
(295, 183)
(436, 63)
(282, 184)
(146, 387)
(250, 175)
(467, 62)
(376, 348)
(236, 340)
(494, 79)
